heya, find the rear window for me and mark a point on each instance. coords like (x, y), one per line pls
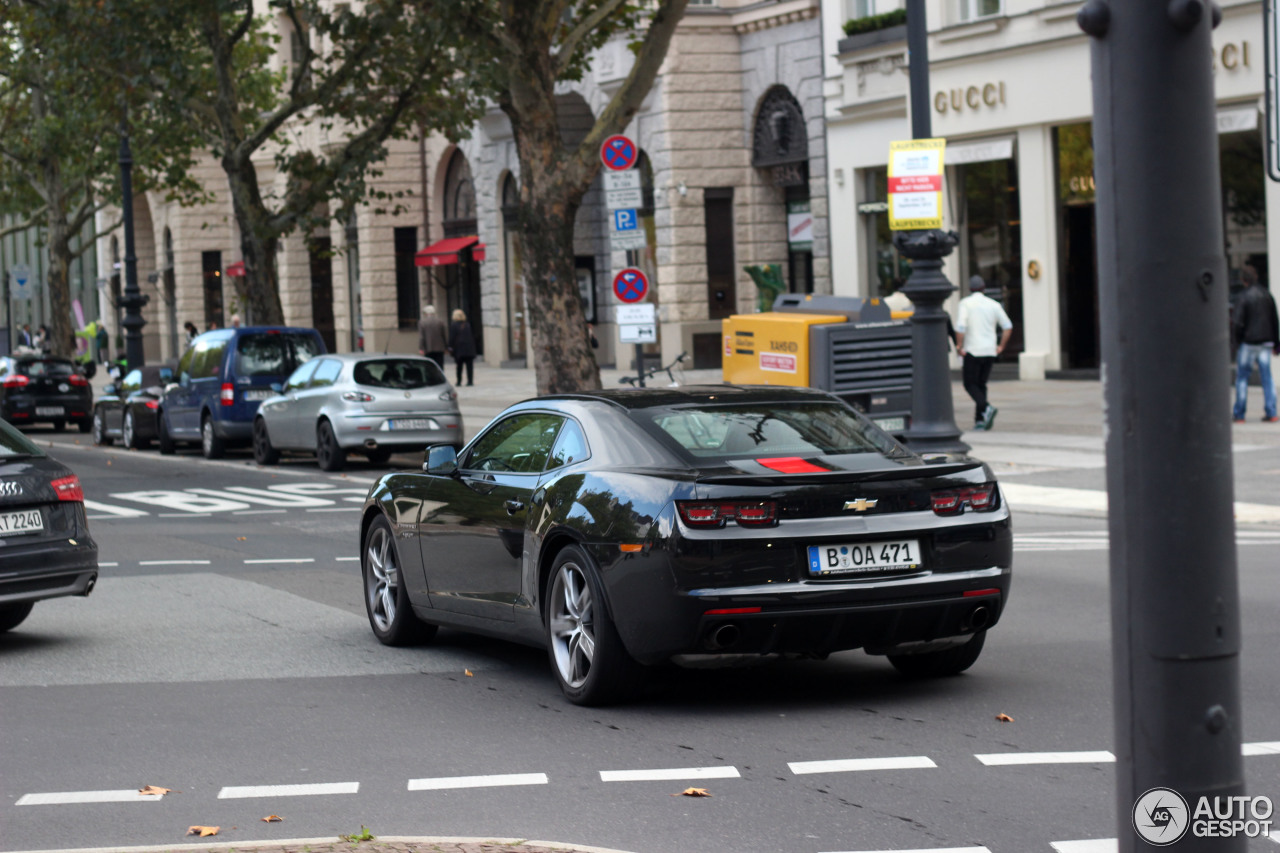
(276, 355)
(773, 429)
(45, 367)
(398, 373)
(14, 444)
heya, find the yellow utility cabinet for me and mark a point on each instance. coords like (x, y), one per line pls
(770, 348)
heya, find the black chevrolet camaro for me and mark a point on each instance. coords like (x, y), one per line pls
(621, 528)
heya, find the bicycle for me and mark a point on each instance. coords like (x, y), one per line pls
(636, 381)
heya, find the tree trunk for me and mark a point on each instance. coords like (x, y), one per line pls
(61, 331)
(261, 288)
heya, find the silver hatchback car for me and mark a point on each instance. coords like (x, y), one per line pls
(358, 402)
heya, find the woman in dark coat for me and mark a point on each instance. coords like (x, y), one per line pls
(462, 345)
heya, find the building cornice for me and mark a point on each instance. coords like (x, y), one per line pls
(752, 18)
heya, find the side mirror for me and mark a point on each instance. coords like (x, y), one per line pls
(441, 459)
(277, 387)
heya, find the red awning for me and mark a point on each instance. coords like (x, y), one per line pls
(236, 270)
(446, 251)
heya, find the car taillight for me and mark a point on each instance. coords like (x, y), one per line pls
(152, 404)
(357, 397)
(78, 380)
(17, 381)
(953, 501)
(720, 513)
(68, 488)
(228, 395)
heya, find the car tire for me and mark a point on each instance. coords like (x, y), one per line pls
(211, 445)
(11, 615)
(379, 456)
(59, 426)
(99, 430)
(162, 436)
(941, 664)
(385, 598)
(263, 452)
(587, 656)
(84, 425)
(329, 455)
(129, 432)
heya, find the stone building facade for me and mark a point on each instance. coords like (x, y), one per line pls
(733, 164)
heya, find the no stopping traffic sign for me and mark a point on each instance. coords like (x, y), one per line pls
(630, 285)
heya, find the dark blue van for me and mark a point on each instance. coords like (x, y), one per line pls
(221, 379)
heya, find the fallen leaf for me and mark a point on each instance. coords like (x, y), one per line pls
(241, 538)
(468, 673)
(203, 831)
(272, 818)
(1004, 718)
(108, 463)
(77, 441)
(153, 791)
(693, 792)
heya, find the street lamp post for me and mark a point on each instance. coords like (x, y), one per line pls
(933, 419)
(133, 298)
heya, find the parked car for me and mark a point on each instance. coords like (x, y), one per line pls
(127, 410)
(45, 547)
(222, 378)
(370, 404)
(624, 527)
(44, 389)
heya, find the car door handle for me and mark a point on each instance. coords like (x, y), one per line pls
(513, 507)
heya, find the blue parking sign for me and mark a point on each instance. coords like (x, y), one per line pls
(625, 220)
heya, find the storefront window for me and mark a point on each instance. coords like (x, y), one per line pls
(993, 236)
(1244, 204)
(1077, 252)
(888, 270)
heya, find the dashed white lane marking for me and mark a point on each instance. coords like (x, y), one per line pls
(846, 765)
(311, 790)
(173, 562)
(185, 514)
(1098, 541)
(1267, 748)
(446, 782)
(101, 564)
(261, 512)
(337, 509)
(931, 850)
(347, 559)
(669, 774)
(997, 759)
(283, 560)
(1087, 845)
(69, 797)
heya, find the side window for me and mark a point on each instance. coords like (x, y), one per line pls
(184, 363)
(570, 447)
(519, 444)
(213, 365)
(132, 382)
(326, 373)
(301, 376)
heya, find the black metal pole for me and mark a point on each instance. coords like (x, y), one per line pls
(1163, 307)
(133, 298)
(640, 363)
(933, 419)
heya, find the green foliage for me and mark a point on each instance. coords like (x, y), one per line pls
(871, 23)
(356, 837)
(769, 283)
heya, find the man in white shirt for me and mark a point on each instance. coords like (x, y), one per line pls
(976, 324)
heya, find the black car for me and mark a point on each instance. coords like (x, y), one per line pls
(44, 389)
(127, 410)
(45, 547)
(625, 527)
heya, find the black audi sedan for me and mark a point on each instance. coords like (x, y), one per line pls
(622, 528)
(44, 389)
(127, 410)
(45, 547)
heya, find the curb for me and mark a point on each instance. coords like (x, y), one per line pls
(516, 843)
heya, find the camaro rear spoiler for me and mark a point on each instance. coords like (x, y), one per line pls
(914, 472)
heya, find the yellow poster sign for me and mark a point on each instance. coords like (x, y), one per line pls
(915, 184)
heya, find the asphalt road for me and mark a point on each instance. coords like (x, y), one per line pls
(226, 652)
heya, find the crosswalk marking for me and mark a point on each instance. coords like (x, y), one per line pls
(1269, 748)
(173, 562)
(998, 759)
(1094, 501)
(114, 511)
(70, 797)
(1087, 845)
(846, 765)
(496, 781)
(669, 774)
(305, 790)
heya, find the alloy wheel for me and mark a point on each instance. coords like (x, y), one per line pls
(382, 579)
(206, 438)
(97, 427)
(128, 430)
(573, 640)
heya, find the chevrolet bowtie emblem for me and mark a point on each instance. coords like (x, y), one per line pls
(861, 504)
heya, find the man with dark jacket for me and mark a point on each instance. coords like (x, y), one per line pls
(433, 337)
(1256, 327)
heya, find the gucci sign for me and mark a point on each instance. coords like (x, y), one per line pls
(972, 98)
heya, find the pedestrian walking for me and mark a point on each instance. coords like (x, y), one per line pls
(976, 325)
(462, 345)
(433, 336)
(235, 321)
(24, 336)
(191, 330)
(1255, 326)
(42, 338)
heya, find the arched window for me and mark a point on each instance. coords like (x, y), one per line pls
(780, 136)
(459, 193)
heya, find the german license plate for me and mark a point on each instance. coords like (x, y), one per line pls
(257, 394)
(17, 523)
(48, 411)
(863, 557)
(891, 424)
(412, 423)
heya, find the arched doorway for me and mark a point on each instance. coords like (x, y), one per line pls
(780, 148)
(462, 280)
